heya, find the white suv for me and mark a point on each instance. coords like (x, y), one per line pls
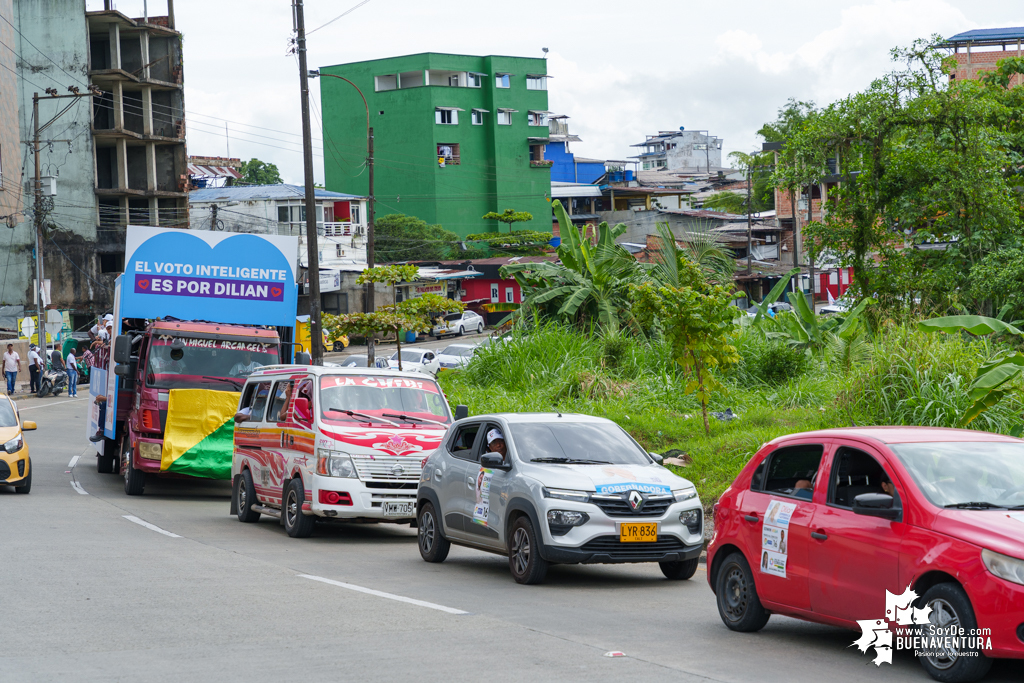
(567, 489)
(458, 323)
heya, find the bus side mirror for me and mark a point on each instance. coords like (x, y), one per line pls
(122, 348)
(461, 412)
(123, 370)
(302, 358)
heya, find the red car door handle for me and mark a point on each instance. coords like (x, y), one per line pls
(750, 518)
(820, 535)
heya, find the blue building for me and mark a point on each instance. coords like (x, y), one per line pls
(567, 167)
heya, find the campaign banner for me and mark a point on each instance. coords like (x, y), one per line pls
(207, 275)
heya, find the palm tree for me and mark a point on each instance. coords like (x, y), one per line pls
(590, 283)
(701, 249)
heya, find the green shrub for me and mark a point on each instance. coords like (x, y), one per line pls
(767, 361)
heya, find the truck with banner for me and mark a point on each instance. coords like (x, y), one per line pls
(195, 312)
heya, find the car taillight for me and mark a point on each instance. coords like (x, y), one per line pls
(335, 498)
(151, 419)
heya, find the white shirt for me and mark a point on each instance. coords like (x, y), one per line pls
(72, 362)
(11, 359)
(35, 359)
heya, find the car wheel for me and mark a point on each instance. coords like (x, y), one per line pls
(462, 330)
(951, 608)
(296, 524)
(480, 328)
(738, 604)
(433, 546)
(134, 480)
(245, 496)
(524, 559)
(679, 571)
(26, 483)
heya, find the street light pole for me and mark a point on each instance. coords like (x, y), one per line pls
(316, 339)
(369, 305)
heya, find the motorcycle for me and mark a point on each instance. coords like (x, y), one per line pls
(53, 380)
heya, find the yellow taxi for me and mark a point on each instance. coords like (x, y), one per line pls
(15, 465)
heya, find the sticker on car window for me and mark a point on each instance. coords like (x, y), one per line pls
(482, 508)
(775, 537)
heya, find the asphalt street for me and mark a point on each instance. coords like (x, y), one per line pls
(168, 586)
(386, 350)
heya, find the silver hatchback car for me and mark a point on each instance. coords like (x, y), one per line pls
(549, 488)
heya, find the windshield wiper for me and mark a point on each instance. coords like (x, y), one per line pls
(369, 418)
(572, 461)
(975, 504)
(410, 418)
(237, 383)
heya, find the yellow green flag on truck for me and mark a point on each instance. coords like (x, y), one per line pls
(198, 436)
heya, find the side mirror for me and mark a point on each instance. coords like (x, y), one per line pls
(657, 458)
(241, 417)
(122, 370)
(122, 348)
(494, 461)
(876, 505)
(28, 426)
(461, 412)
(302, 358)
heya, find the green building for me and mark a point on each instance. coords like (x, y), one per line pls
(455, 137)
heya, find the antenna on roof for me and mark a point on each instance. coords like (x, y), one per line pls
(545, 52)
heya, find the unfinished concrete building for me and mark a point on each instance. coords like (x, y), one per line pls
(117, 158)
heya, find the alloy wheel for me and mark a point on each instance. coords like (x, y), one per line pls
(521, 550)
(242, 501)
(292, 508)
(943, 616)
(426, 532)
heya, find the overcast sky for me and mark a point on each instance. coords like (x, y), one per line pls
(620, 69)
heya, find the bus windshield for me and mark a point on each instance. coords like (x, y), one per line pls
(205, 363)
(371, 398)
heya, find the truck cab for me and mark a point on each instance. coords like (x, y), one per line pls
(189, 374)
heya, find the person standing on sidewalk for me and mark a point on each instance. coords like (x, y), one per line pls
(35, 368)
(12, 365)
(72, 365)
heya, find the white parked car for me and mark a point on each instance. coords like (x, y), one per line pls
(455, 355)
(458, 323)
(416, 360)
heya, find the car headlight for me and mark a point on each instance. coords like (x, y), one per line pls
(692, 520)
(566, 494)
(14, 445)
(335, 464)
(685, 494)
(150, 450)
(567, 518)
(1004, 566)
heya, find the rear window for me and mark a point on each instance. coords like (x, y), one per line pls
(408, 356)
(786, 470)
(461, 351)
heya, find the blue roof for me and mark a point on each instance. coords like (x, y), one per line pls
(241, 193)
(988, 34)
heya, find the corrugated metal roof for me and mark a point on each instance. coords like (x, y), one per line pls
(243, 193)
(987, 34)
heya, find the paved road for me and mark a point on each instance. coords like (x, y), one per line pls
(385, 350)
(89, 595)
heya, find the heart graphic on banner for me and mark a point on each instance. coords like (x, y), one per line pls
(275, 292)
(144, 284)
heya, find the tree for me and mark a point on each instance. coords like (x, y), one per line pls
(698, 323)
(521, 242)
(256, 172)
(397, 237)
(700, 258)
(729, 202)
(589, 285)
(509, 217)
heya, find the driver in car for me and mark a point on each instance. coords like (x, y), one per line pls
(496, 443)
(246, 366)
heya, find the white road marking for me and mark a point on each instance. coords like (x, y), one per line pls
(382, 594)
(74, 461)
(78, 487)
(70, 400)
(151, 527)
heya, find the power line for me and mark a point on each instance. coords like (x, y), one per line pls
(345, 13)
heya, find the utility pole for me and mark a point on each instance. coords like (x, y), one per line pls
(371, 360)
(213, 218)
(810, 218)
(749, 227)
(316, 340)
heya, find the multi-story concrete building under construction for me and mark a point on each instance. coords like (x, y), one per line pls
(115, 157)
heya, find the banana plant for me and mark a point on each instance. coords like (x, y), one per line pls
(991, 382)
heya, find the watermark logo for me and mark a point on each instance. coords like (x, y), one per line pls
(925, 631)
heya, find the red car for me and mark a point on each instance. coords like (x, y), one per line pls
(819, 525)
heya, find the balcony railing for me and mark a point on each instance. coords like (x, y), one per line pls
(334, 229)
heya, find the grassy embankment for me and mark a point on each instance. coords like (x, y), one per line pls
(903, 377)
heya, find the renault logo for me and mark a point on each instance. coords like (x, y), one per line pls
(397, 470)
(636, 500)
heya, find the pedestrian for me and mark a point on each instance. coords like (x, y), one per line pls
(36, 365)
(72, 365)
(12, 366)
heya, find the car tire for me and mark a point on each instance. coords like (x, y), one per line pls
(462, 330)
(736, 594)
(26, 483)
(296, 524)
(679, 571)
(951, 607)
(524, 560)
(134, 480)
(245, 496)
(107, 463)
(433, 545)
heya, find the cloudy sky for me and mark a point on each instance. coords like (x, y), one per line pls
(621, 69)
